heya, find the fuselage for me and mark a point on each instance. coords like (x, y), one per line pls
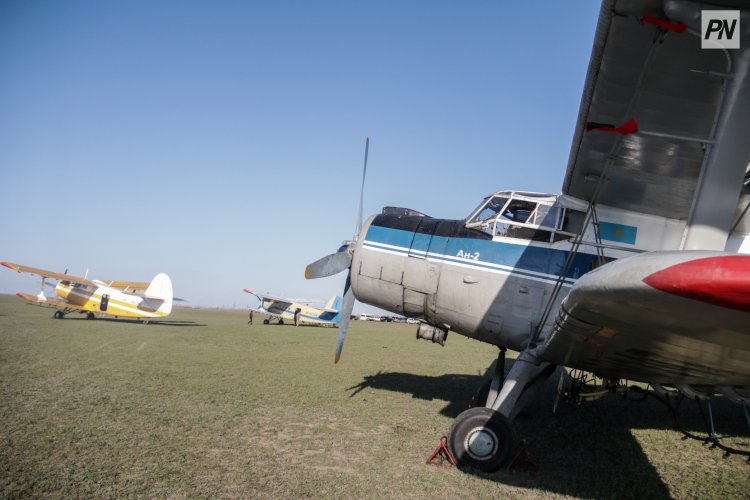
(491, 276)
(307, 315)
(437, 270)
(111, 301)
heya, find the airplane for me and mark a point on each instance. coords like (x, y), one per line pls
(120, 299)
(638, 270)
(298, 313)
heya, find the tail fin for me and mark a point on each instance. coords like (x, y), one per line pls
(160, 288)
(334, 303)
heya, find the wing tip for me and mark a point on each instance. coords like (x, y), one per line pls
(308, 272)
(336, 359)
(8, 265)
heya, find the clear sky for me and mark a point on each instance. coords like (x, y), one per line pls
(222, 142)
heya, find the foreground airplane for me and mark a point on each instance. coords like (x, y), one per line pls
(121, 299)
(298, 313)
(638, 270)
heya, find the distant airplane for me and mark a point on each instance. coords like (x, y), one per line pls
(121, 299)
(639, 270)
(283, 309)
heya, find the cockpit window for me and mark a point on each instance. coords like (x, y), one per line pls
(518, 211)
(519, 215)
(489, 208)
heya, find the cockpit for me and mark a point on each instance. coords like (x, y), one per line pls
(531, 216)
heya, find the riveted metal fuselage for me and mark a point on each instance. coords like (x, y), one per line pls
(459, 278)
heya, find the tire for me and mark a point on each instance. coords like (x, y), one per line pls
(90, 315)
(482, 439)
(265, 321)
(58, 315)
(281, 321)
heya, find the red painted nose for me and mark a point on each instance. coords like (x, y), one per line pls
(722, 281)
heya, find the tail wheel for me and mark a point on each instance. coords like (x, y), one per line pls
(482, 439)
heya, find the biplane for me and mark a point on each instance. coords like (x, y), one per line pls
(120, 299)
(639, 270)
(296, 312)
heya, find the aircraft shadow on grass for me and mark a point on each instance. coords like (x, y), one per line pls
(583, 450)
(150, 323)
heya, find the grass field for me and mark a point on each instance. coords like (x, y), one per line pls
(207, 406)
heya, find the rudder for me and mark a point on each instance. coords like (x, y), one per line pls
(160, 288)
(334, 303)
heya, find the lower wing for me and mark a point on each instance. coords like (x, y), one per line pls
(659, 317)
(45, 302)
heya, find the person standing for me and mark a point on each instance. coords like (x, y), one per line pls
(250, 318)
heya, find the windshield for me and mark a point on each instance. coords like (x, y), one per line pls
(530, 216)
(489, 208)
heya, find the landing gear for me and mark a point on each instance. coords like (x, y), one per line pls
(482, 438)
(58, 315)
(480, 398)
(265, 321)
(281, 321)
(90, 315)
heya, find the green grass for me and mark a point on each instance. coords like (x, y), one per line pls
(209, 406)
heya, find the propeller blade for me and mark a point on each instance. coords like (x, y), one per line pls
(347, 304)
(328, 265)
(362, 190)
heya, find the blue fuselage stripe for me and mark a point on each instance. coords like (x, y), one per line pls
(524, 260)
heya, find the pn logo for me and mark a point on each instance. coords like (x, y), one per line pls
(720, 29)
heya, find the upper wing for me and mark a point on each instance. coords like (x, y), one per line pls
(126, 285)
(644, 67)
(660, 317)
(269, 297)
(48, 274)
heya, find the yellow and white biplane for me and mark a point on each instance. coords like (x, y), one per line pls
(121, 299)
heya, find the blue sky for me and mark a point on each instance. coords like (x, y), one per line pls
(222, 142)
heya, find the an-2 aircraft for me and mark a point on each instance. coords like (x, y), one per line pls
(121, 299)
(297, 313)
(638, 270)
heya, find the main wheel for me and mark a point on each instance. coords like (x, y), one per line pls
(58, 315)
(90, 315)
(281, 321)
(482, 438)
(265, 321)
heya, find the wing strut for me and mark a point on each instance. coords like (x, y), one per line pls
(622, 131)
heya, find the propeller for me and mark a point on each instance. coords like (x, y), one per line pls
(329, 265)
(342, 261)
